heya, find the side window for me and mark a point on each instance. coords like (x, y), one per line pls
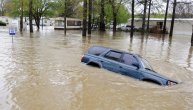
(113, 55)
(129, 59)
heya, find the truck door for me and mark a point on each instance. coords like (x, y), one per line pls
(127, 68)
(111, 61)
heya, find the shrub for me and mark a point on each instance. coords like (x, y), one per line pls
(2, 23)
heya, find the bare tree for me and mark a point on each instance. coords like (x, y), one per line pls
(184, 10)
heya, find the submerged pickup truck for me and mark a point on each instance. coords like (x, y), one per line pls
(125, 63)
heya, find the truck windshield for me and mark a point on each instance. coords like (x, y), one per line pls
(146, 64)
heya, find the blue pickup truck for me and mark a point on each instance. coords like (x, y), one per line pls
(125, 63)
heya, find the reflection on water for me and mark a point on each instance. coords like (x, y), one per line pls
(42, 71)
(189, 59)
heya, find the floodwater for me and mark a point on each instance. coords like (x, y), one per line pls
(42, 71)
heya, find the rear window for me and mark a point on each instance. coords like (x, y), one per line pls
(96, 50)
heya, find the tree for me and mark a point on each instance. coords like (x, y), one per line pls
(165, 18)
(132, 18)
(65, 14)
(17, 8)
(30, 16)
(84, 18)
(21, 16)
(149, 13)
(173, 18)
(184, 9)
(2, 7)
(122, 14)
(73, 8)
(39, 9)
(102, 15)
(115, 4)
(144, 15)
(89, 17)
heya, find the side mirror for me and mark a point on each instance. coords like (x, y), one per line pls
(136, 65)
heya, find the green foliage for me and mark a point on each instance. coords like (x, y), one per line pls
(122, 15)
(157, 15)
(73, 8)
(13, 8)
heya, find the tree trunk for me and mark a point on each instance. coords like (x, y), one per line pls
(165, 19)
(173, 18)
(65, 17)
(37, 20)
(102, 15)
(89, 17)
(38, 23)
(132, 18)
(149, 13)
(144, 16)
(30, 16)
(21, 17)
(114, 22)
(84, 18)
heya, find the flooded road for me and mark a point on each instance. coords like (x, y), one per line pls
(42, 71)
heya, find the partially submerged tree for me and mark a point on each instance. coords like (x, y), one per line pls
(2, 7)
(84, 28)
(132, 18)
(115, 5)
(89, 17)
(39, 9)
(21, 16)
(165, 18)
(173, 18)
(144, 15)
(30, 16)
(102, 16)
(149, 13)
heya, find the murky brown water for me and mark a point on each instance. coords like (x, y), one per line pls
(43, 72)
